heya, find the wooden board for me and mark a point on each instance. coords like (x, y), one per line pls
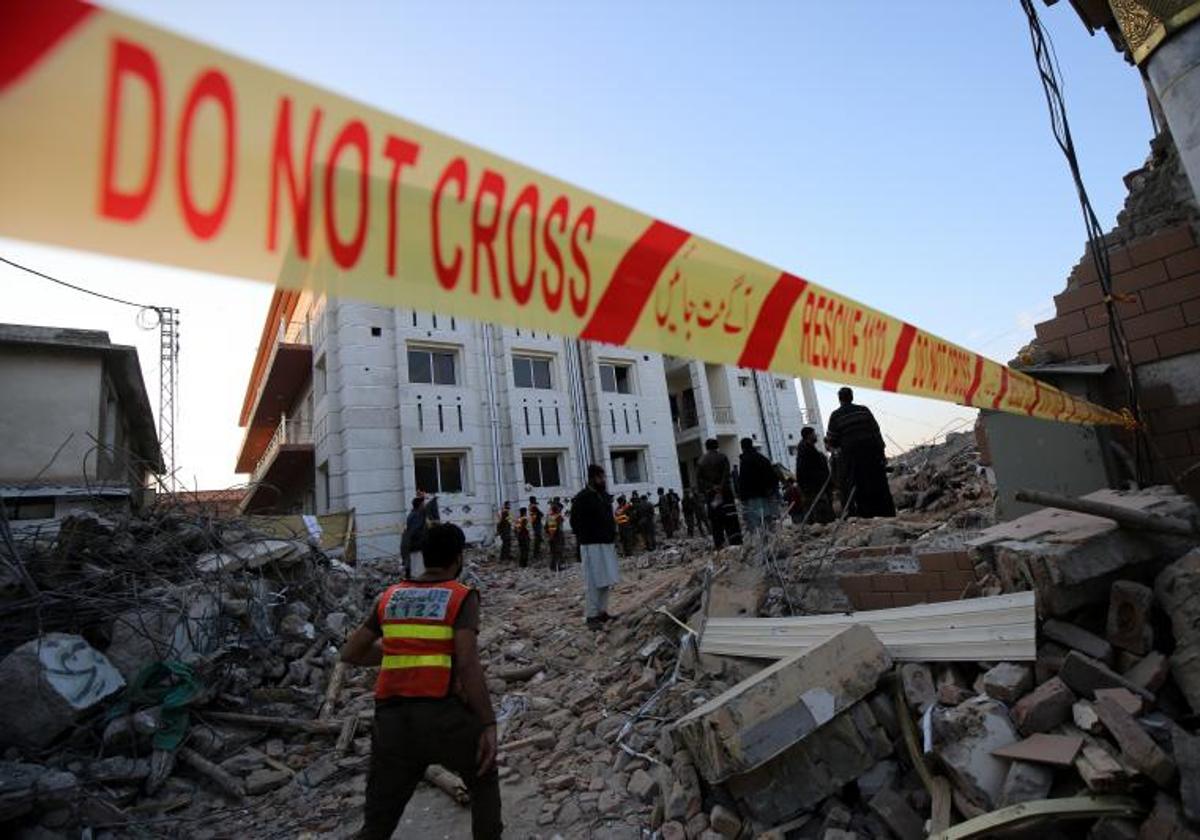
(1002, 627)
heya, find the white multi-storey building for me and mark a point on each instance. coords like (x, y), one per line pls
(352, 405)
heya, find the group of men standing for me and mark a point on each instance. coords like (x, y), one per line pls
(532, 531)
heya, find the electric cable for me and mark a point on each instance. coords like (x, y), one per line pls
(1050, 76)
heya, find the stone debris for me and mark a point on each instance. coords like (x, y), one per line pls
(627, 730)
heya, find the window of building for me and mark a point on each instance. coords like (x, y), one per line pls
(628, 466)
(29, 507)
(616, 378)
(781, 384)
(432, 367)
(744, 381)
(439, 472)
(320, 378)
(541, 470)
(532, 372)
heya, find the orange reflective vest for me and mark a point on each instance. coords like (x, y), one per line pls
(418, 638)
(552, 523)
(522, 525)
(623, 514)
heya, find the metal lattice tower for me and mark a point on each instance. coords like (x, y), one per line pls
(168, 385)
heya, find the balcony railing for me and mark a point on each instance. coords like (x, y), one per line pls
(289, 431)
(723, 415)
(294, 332)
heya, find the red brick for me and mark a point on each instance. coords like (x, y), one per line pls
(1160, 245)
(942, 595)
(957, 580)
(1078, 298)
(908, 599)
(1184, 263)
(1171, 292)
(1087, 342)
(940, 561)
(1139, 278)
(890, 582)
(855, 583)
(1191, 311)
(1057, 349)
(1154, 324)
(874, 601)
(923, 581)
(1143, 350)
(1177, 342)
(1097, 315)
(1069, 324)
(1173, 445)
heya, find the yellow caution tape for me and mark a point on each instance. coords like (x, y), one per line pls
(119, 137)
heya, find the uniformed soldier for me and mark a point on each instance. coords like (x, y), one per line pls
(555, 535)
(625, 529)
(523, 538)
(504, 531)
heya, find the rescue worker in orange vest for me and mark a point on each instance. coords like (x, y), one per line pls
(523, 538)
(625, 529)
(431, 699)
(555, 535)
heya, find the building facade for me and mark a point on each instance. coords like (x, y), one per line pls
(352, 405)
(76, 423)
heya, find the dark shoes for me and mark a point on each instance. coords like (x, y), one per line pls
(595, 623)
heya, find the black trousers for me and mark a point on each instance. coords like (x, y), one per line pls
(723, 520)
(407, 738)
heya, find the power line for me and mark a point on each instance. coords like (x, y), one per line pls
(101, 295)
(168, 360)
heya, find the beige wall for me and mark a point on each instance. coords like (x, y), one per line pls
(44, 399)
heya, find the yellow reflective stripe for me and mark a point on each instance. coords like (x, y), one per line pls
(417, 631)
(433, 660)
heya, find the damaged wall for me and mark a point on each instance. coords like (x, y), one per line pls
(1154, 257)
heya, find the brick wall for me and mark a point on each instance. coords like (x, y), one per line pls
(1158, 277)
(938, 576)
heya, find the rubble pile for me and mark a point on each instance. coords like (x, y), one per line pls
(941, 478)
(634, 729)
(125, 638)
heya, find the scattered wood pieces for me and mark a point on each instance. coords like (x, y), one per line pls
(1073, 807)
(223, 780)
(542, 739)
(312, 727)
(1059, 750)
(448, 783)
(940, 817)
(332, 690)
(346, 736)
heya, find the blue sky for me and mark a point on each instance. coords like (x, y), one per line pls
(897, 152)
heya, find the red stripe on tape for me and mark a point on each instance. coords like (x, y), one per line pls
(899, 358)
(31, 28)
(632, 283)
(1003, 387)
(1037, 397)
(771, 320)
(975, 383)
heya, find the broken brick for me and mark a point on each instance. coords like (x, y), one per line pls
(1008, 682)
(898, 815)
(1129, 616)
(1026, 782)
(1084, 675)
(1045, 708)
(1077, 638)
(1137, 747)
(1149, 672)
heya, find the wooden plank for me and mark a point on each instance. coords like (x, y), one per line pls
(1001, 627)
(1072, 807)
(1059, 750)
(940, 817)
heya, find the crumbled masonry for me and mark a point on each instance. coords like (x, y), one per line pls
(249, 726)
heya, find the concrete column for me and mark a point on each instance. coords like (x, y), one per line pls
(1174, 73)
